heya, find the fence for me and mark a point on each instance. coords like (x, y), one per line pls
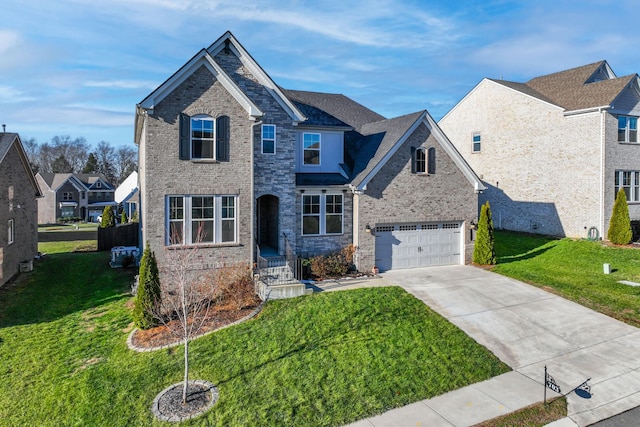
(120, 235)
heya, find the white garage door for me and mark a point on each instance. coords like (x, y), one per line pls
(418, 245)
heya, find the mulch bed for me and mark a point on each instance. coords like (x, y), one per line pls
(161, 335)
(168, 405)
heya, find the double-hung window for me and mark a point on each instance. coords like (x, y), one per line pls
(202, 137)
(476, 141)
(311, 148)
(268, 139)
(322, 214)
(11, 232)
(201, 219)
(629, 181)
(627, 129)
(421, 161)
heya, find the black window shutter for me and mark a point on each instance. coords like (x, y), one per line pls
(413, 159)
(222, 138)
(185, 140)
(431, 161)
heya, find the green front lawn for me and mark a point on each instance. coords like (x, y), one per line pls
(574, 270)
(320, 360)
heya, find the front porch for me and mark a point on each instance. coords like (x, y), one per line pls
(278, 276)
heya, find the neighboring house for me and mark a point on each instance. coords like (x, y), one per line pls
(235, 166)
(18, 207)
(126, 194)
(555, 150)
(73, 196)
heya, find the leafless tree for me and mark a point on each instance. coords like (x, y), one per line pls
(125, 162)
(186, 299)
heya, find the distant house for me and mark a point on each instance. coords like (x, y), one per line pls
(18, 207)
(73, 196)
(553, 151)
(126, 194)
(239, 168)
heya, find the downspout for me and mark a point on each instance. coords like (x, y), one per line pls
(602, 112)
(253, 196)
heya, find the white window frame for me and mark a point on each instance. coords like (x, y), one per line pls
(268, 139)
(476, 142)
(223, 211)
(322, 213)
(629, 135)
(192, 138)
(304, 148)
(629, 180)
(11, 231)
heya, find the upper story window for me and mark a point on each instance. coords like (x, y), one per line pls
(629, 181)
(12, 232)
(199, 219)
(204, 138)
(420, 161)
(476, 142)
(311, 148)
(83, 195)
(268, 139)
(627, 129)
(322, 214)
(98, 184)
(67, 195)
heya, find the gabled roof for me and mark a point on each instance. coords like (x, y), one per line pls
(8, 140)
(82, 181)
(127, 188)
(589, 86)
(383, 138)
(338, 106)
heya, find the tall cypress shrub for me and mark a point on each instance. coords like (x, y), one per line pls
(148, 295)
(108, 218)
(620, 231)
(484, 252)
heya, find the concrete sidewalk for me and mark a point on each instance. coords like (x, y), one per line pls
(527, 328)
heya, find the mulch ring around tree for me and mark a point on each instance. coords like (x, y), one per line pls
(168, 405)
(161, 336)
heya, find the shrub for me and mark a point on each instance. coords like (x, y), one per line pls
(484, 252)
(332, 265)
(233, 287)
(123, 218)
(134, 217)
(108, 219)
(620, 224)
(148, 295)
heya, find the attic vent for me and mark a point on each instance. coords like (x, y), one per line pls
(226, 50)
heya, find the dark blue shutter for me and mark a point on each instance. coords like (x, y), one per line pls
(431, 161)
(413, 159)
(222, 138)
(185, 136)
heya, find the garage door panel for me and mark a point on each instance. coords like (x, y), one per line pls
(418, 245)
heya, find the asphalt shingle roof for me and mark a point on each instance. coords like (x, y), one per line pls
(6, 140)
(574, 89)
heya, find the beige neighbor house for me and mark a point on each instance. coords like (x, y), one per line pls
(18, 208)
(553, 151)
(245, 171)
(73, 196)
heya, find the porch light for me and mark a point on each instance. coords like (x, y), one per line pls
(367, 228)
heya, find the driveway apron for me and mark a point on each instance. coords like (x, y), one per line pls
(529, 328)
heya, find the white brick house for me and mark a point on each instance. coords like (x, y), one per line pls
(553, 151)
(262, 170)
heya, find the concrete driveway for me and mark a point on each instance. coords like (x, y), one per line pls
(529, 328)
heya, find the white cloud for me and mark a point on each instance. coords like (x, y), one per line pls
(8, 41)
(121, 84)
(10, 95)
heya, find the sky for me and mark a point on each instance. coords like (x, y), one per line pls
(79, 67)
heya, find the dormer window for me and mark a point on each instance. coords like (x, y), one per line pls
(627, 129)
(311, 148)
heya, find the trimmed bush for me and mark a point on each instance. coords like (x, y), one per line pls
(620, 224)
(108, 219)
(123, 218)
(148, 295)
(484, 252)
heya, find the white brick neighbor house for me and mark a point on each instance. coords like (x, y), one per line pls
(18, 207)
(553, 151)
(234, 165)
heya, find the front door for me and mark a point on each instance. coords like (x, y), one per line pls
(268, 213)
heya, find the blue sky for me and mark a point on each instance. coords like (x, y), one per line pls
(78, 67)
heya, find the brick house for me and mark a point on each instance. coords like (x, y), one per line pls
(78, 196)
(554, 151)
(18, 207)
(240, 168)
